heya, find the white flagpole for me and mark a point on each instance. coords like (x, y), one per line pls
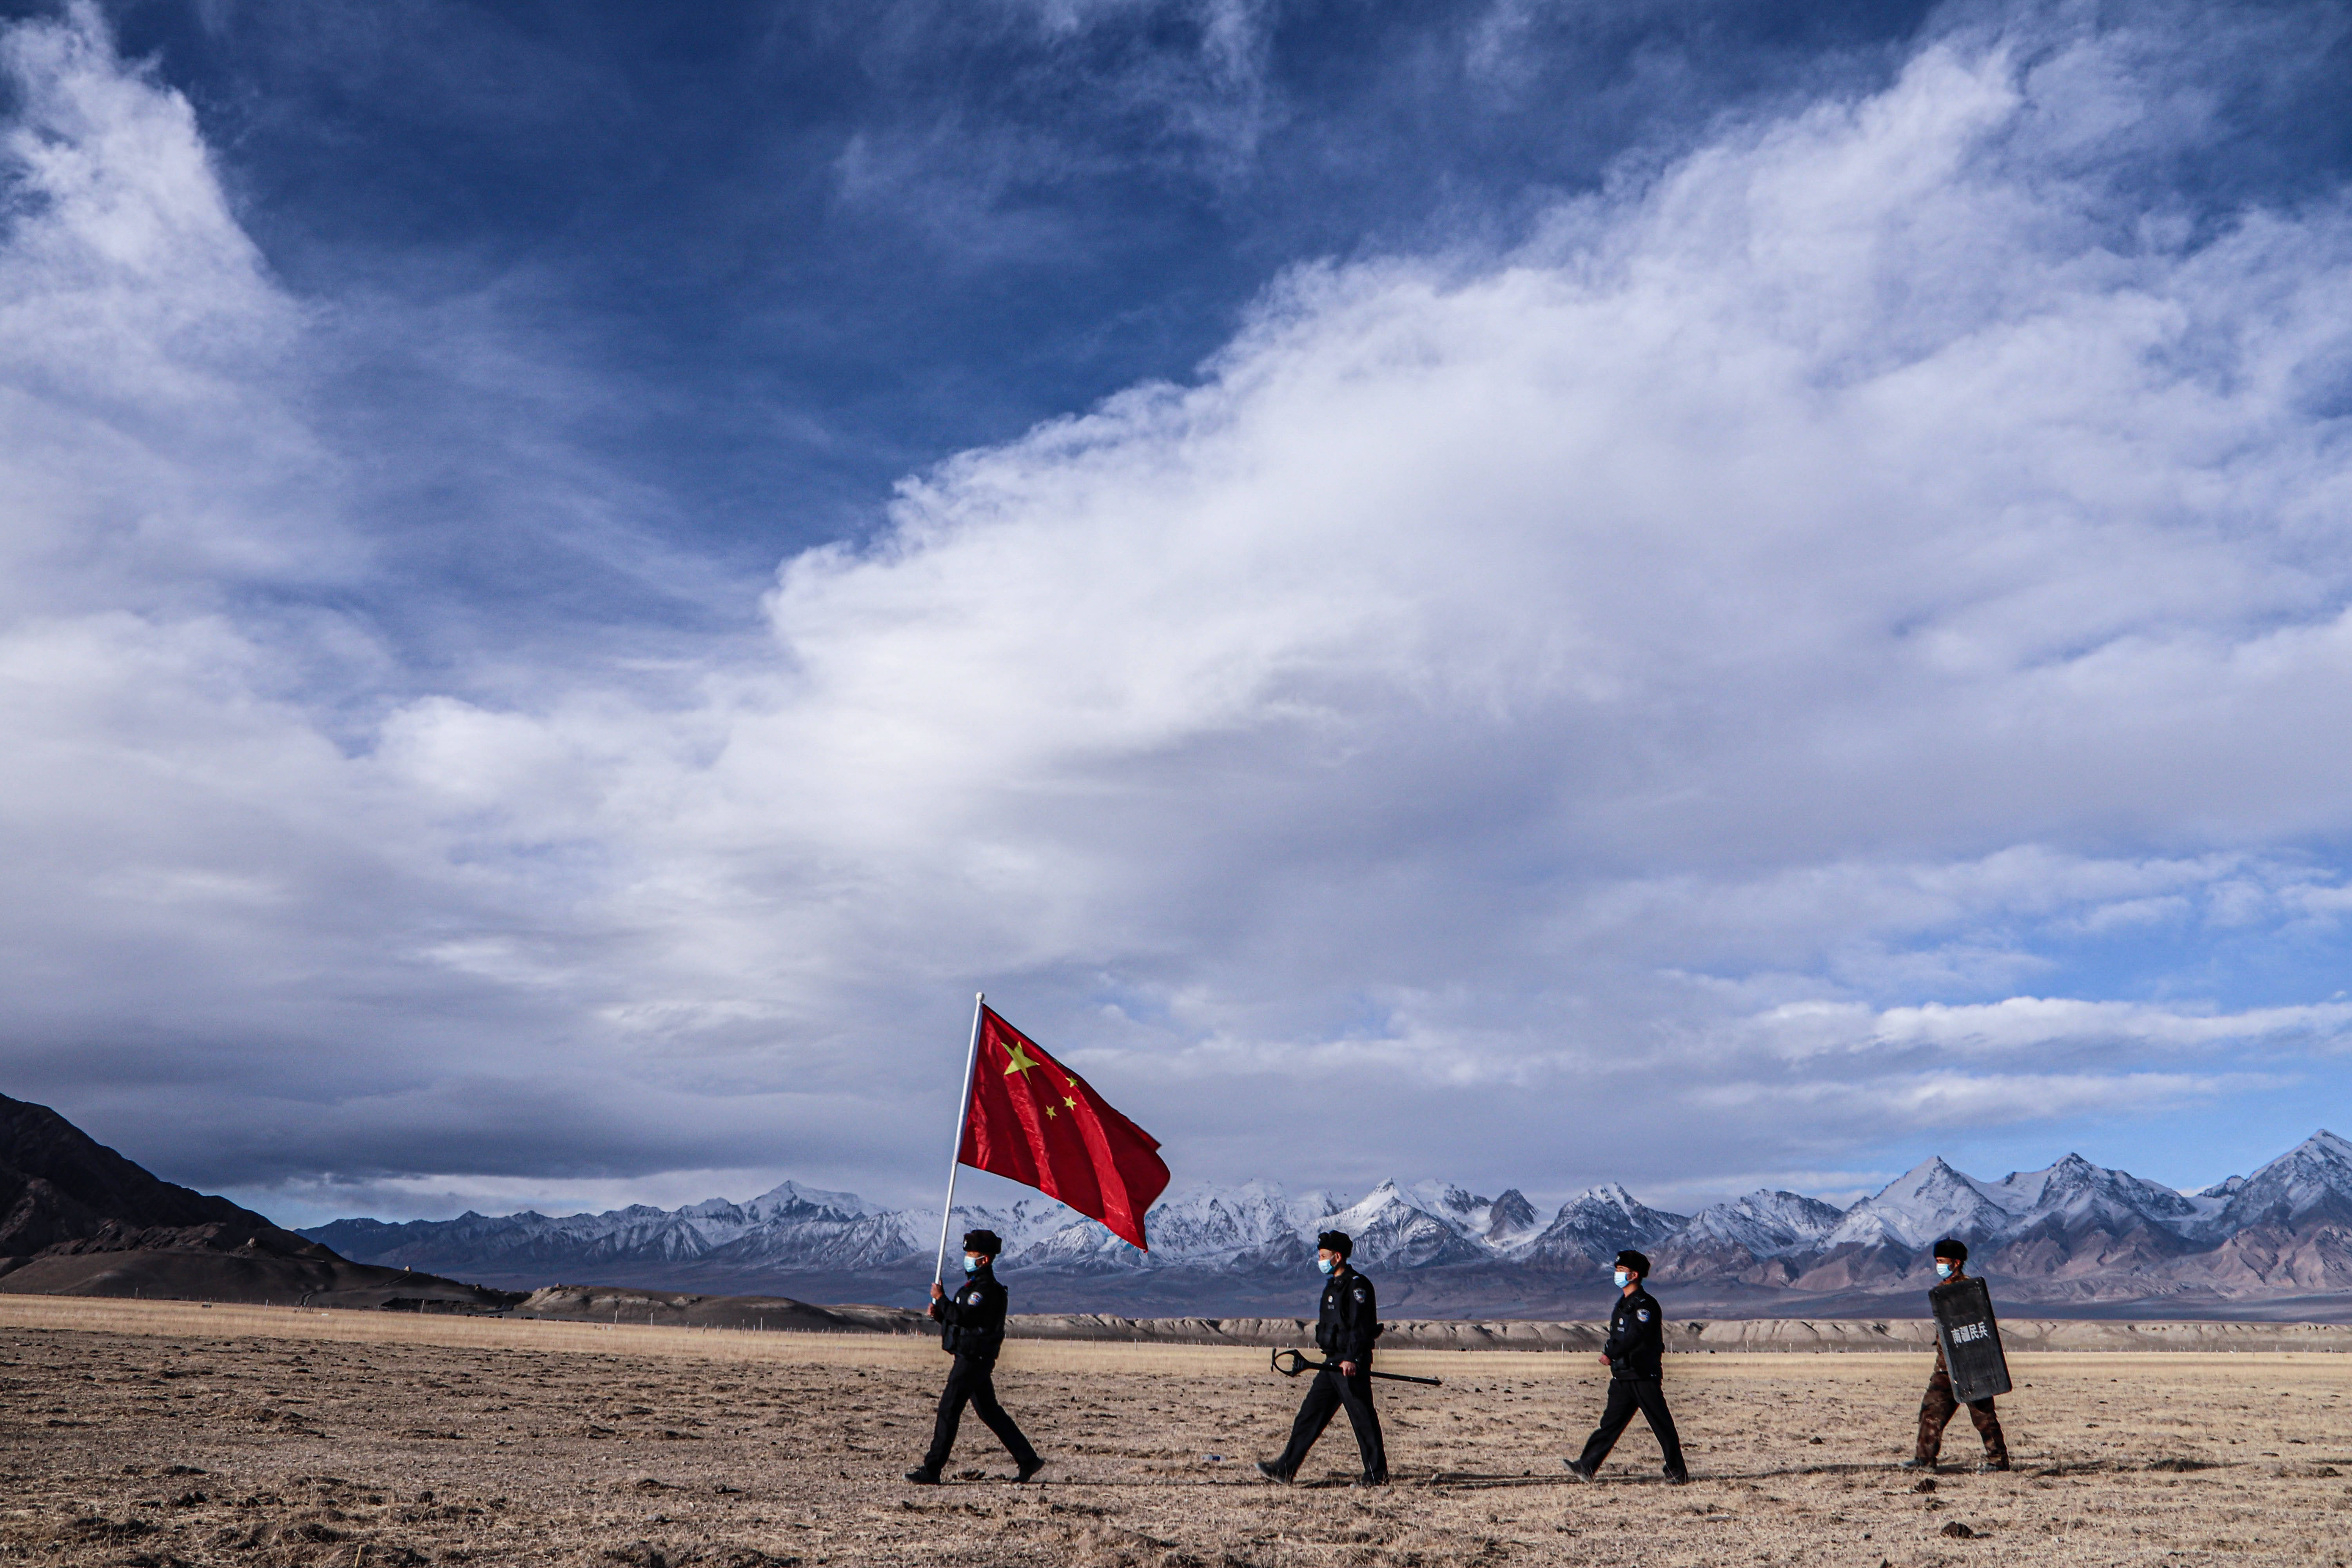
(955, 1150)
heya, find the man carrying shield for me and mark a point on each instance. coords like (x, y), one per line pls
(1940, 1405)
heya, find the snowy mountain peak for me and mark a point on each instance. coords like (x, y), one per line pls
(790, 1197)
(1595, 1225)
(1511, 1219)
(2310, 1181)
(2323, 1145)
(2075, 1192)
(1495, 1222)
(1390, 1228)
(1929, 1201)
(1765, 1223)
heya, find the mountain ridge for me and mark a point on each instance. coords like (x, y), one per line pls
(2072, 1234)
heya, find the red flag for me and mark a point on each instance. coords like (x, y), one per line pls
(1033, 1120)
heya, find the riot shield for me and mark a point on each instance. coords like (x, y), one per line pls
(1971, 1339)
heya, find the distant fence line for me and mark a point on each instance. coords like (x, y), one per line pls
(1247, 1338)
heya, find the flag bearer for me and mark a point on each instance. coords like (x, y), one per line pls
(1635, 1355)
(1941, 1405)
(973, 1331)
(1349, 1323)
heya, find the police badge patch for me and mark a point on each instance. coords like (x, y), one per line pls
(1643, 1313)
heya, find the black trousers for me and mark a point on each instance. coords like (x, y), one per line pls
(974, 1383)
(1627, 1395)
(1328, 1393)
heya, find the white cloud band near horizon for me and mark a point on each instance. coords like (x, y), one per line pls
(1763, 629)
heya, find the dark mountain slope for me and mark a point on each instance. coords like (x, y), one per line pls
(62, 1190)
(79, 1219)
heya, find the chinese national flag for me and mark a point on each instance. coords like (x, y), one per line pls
(1033, 1120)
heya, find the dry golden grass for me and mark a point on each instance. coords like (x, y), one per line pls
(150, 1433)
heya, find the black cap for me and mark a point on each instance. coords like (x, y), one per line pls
(1337, 1241)
(1639, 1264)
(987, 1243)
(1956, 1250)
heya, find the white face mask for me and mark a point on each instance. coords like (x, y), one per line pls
(1622, 1278)
(972, 1262)
(1326, 1265)
(1943, 1270)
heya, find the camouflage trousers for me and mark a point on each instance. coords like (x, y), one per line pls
(1939, 1407)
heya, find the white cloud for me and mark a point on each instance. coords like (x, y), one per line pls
(1734, 630)
(1948, 1102)
(2018, 1024)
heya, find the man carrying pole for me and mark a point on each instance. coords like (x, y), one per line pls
(973, 1331)
(1024, 1116)
(1345, 1329)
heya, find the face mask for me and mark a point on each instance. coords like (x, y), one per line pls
(971, 1263)
(1326, 1265)
(1621, 1278)
(1942, 1271)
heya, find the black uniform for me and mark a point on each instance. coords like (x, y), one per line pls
(1350, 1323)
(972, 1329)
(1636, 1349)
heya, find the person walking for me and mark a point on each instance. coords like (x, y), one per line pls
(1939, 1405)
(1636, 1354)
(1348, 1323)
(973, 1331)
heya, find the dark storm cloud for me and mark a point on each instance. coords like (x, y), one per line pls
(1676, 593)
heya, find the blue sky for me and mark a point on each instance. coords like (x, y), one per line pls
(1700, 595)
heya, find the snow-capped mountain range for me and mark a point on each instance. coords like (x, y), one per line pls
(2071, 1233)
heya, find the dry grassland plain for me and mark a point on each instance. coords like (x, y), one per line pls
(152, 1434)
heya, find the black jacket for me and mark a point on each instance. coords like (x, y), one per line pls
(1350, 1319)
(1637, 1337)
(972, 1317)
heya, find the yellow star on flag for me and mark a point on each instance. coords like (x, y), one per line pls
(1049, 1113)
(1068, 1101)
(1021, 1061)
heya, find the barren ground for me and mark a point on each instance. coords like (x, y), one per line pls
(155, 1434)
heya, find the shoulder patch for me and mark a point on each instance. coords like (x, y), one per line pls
(1362, 1294)
(1643, 1313)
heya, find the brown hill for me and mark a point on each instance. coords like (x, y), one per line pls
(79, 1219)
(60, 1188)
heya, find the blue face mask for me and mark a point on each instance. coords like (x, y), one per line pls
(971, 1263)
(1325, 1265)
(1942, 1271)
(1622, 1278)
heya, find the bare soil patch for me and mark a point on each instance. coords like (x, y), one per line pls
(239, 1437)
